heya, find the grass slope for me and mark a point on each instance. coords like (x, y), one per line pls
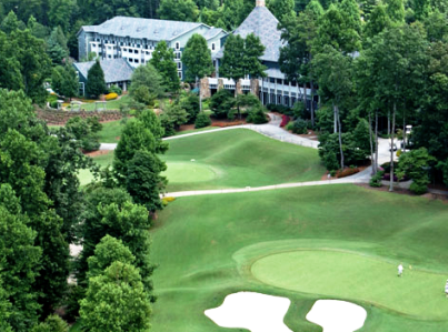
(237, 158)
(205, 246)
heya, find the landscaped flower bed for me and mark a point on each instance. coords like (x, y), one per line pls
(111, 96)
(285, 120)
(227, 124)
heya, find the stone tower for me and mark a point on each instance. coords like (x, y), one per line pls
(261, 3)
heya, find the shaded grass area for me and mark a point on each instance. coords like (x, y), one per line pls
(85, 176)
(205, 247)
(111, 131)
(238, 158)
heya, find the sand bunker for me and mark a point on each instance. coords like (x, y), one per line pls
(337, 316)
(252, 311)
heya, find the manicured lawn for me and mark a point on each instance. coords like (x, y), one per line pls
(206, 247)
(179, 133)
(235, 159)
(111, 132)
(104, 160)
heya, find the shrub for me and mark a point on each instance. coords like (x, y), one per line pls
(375, 181)
(289, 126)
(190, 103)
(95, 125)
(167, 200)
(202, 121)
(418, 188)
(90, 144)
(54, 104)
(111, 96)
(257, 116)
(231, 114)
(285, 121)
(331, 161)
(300, 127)
(221, 103)
(115, 89)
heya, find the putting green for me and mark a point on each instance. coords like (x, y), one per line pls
(356, 277)
(185, 172)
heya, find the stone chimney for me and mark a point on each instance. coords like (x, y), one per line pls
(261, 3)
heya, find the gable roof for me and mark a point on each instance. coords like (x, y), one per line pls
(142, 28)
(263, 24)
(115, 70)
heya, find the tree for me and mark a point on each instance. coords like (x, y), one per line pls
(421, 8)
(395, 10)
(108, 251)
(378, 22)
(116, 301)
(152, 122)
(221, 103)
(336, 30)
(146, 85)
(436, 25)
(53, 323)
(415, 164)
(398, 58)
(178, 10)
(134, 137)
(20, 262)
(282, 8)
(57, 46)
(34, 64)
(65, 81)
(176, 114)
(351, 9)
(242, 58)
(198, 61)
(163, 60)
(10, 75)
(335, 85)
(296, 57)
(96, 84)
(190, 103)
(144, 182)
(60, 12)
(10, 23)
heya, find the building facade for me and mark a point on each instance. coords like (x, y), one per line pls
(134, 39)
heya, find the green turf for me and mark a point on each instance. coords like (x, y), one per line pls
(356, 277)
(180, 133)
(111, 132)
(104, 160)
(204, 248)
(239, 158)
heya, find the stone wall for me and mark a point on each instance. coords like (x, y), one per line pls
(61, 117)
(205, 88)
(255, 87)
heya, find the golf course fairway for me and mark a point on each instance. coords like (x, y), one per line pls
(190, 172)
(358, 277)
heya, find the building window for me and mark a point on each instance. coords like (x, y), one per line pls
(180, 74)
(136, 61)
(177, 46)
(130, 60)
(213, 46)
(109, 56)
(178, 55)
(179, 65)
(136, 51)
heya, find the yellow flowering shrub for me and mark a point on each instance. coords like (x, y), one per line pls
(111, 96)
(167, 200)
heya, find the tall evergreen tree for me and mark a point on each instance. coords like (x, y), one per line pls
(197, 59)
(96, 84)
(163, 60)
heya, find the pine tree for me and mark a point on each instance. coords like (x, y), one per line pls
(96, 84)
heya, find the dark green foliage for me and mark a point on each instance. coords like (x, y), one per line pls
(120, 285)
(57, 46)
(416, 164)
(176, 114)
(331, 162)
(202, 121)
(84, 131)
(300, 126)
(20, 259)
(143, 181)
(163, 60)
(178, 10)
(375, 181)
(167, 125)
(115, 89)
(257, 115)
(146, 85)
(197, 59)
(53, 323)
(152, 122)
(282, 8)
(109, 250)
(190, 103)
(221, 103)
(96, 84)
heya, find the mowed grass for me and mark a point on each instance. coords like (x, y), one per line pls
(204, 247)
(111, 131)
(356, 277)
(104, 160)
(110, 105)
(237, 158)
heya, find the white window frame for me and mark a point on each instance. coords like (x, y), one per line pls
(177, 46)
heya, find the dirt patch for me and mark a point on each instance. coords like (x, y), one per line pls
(97, 153)
(186, 127)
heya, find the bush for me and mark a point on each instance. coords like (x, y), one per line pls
(202, 121)
(257, 116)
(115, 89)
(375, 181)
(167, 200)
(190, 103)
(331, 161)
(300, 126)
(419, 188)
(90, 144)
(231, 114)
(279, 108)
(95, 125)
(54, 104)
(111, 96)
(221, 103)
(289, 126)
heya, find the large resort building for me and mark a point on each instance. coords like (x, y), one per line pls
(134, 40)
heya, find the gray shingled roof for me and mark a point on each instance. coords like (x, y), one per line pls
(115, 70)
(262, 23)
(142, 28)
(213, 32)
